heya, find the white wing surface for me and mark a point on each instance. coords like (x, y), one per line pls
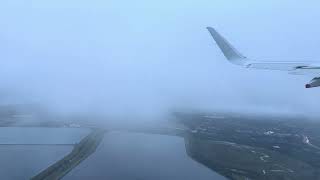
(296, 68)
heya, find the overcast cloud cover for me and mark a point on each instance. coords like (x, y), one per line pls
(145, 58)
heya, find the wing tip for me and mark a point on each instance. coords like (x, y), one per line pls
(228, 50)
(211, 30)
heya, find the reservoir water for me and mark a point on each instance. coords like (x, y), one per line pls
(120, 155)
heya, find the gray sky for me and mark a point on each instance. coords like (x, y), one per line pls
(144, 58)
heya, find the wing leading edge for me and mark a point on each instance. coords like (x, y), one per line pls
(235, 57)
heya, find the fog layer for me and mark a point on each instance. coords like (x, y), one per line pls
(145, 59)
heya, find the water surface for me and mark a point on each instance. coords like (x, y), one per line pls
(141, 157)
(120, 155)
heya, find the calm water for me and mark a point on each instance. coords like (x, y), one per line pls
(120, 156)
(23, 162)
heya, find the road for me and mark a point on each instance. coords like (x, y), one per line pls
(80, 152)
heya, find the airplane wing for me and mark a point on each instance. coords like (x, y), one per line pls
(296, 68)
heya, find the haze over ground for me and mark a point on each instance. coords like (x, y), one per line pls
(143, 58)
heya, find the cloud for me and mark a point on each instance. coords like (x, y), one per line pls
(110, 59)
